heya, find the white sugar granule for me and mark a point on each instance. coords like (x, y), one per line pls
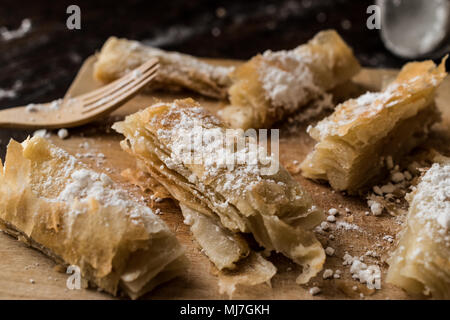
(388, 188)
(375, 207)
(41, 133)
(328, 273)
(30, 108)
(324, 226)
(314, 291)
(347, 226)
(329, 251)
(333, 212)
(63, 133)
(368, 274)
(397, 177)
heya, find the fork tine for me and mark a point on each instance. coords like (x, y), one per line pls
(118, 92)
(113, 104)
(123, 95)
(119, 82)
(118, 87)
(130, 89)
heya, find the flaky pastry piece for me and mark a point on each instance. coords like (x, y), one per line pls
(229, 252)
(74, 215)
(223, 247)
(176, 70)
(273, 85)
(421, 262)
(353, 141)
(255, 269)
(243, 197)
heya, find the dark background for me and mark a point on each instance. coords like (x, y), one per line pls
(49, 56)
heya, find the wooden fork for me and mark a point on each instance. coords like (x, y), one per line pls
(71, 112)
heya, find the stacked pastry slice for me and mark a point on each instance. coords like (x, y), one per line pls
(421, 263)
(180, 145)
(354, 141)
(176, 70)
(274, 85)
(75, 215)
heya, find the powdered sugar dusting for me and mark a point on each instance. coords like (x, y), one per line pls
(188, 137)
(432, 197)
(371, 104)
(347, 226)
(367, 105)
(287, 79)
(75, 181)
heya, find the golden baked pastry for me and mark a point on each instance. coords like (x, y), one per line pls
(223, 247)
(176, 70)
(230, 253)
(421, 262)
(74, 215)
(353, 142)
(243, 197)
(274, 85)
(253, 270)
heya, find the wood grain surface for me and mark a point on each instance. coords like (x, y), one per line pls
(27, 274)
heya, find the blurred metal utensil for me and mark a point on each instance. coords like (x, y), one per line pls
(415, 28)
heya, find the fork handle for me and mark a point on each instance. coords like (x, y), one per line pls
(10, 118)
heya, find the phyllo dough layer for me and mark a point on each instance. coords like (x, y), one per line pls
(273, 85)
(76, 216)
(421, 262)
(176, 70)
(353, 141)
(242, 198)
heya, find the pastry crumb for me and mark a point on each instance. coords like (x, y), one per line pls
(63, 133)
(329, 251)
(328, 273)
(314, 291)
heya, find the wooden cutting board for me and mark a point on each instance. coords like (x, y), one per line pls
(27, 274)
